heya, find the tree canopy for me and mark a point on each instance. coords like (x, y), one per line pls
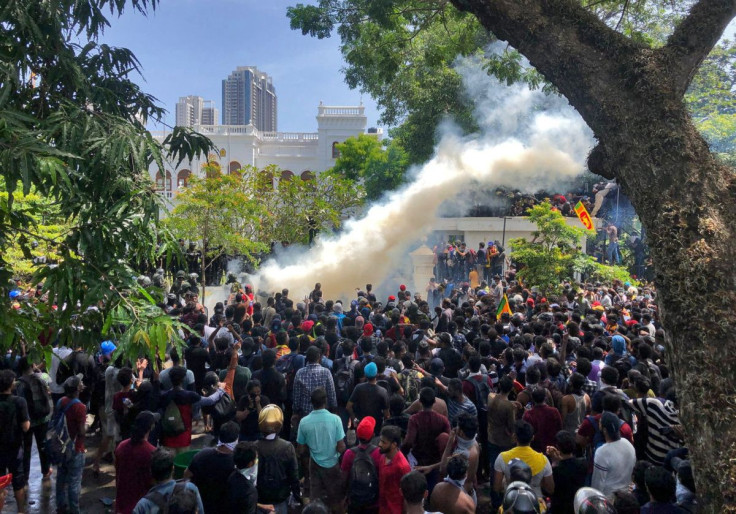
(72, 130)
(365, 159)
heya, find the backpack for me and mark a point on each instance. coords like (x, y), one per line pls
(163, 501)
(172, 423)
(37, 396)
(59, 444)
(10, 436)
(344, 381)
(363, 481)
(482, 390)
(67, 368)
(271, 476)
(223, 410)
(410, 384)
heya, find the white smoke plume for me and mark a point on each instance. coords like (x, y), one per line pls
(529, 141)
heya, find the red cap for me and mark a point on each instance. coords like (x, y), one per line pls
(392, 298)
(366, 428)
(368, 330)
(402, 287)
(307, 325)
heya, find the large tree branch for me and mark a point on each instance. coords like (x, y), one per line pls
(577, 52)
(694, 38)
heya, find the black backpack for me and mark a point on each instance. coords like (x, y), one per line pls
(363, 483)
(37, 396)
(344, 381)
(163, 501)
(482, 390)
(10, 434)
(67, 368)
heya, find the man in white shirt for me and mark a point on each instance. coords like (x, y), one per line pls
(614, 461)
(58, 354)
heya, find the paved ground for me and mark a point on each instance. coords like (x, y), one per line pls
(41, 495)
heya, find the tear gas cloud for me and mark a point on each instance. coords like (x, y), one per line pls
(529, 141)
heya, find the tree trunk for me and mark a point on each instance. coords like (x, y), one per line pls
(632, 98)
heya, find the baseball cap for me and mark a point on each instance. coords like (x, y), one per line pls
(72, 383)
(402, 287)
(370, 370)
(366, 427)
(436, 366)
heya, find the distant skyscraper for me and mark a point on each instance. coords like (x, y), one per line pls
(194, 110)
(249, 98)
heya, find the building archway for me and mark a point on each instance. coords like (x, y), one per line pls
(335, 151)
(287, 175)
(234, 166)
(307, 175)
(182, 178)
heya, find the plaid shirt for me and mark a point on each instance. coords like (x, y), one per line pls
(306, 380)
(590, 387)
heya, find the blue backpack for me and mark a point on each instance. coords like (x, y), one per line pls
(59, 445)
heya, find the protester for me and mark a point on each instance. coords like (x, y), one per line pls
(449, 496)
(392, 466)
(614, 460)
(69, 471)
(211, 468)
(14, 422)
(321, 432)
(168, 495)
(133, 464)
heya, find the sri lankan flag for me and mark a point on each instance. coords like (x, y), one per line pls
(503, 307)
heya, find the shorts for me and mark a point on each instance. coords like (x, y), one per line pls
(11, 461)
(109, 426)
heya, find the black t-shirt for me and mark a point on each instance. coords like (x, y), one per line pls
(242, 496)
(569, 476)
(211, 470)
(249, 426)
(197, 358)
(11, 434)
(370, 400)
(273, 385)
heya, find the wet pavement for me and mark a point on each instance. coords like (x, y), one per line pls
(42, 493)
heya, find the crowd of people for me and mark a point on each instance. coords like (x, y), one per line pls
(558, 403)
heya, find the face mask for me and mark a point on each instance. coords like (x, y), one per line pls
(251, 473)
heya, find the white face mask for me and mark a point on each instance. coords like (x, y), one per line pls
(251, 473)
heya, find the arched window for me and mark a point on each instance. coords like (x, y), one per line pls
(182, 178)
(212, 169)
(307, 176)
(287, 175)
(168, 180)
(335, 151)
(266, 181)
(159, 181)
(234, 166)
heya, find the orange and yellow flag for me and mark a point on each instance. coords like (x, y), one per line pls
(585, 218)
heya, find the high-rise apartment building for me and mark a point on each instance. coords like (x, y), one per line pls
(194, 110)
(249, 98)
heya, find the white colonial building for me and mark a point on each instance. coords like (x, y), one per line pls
(295, 153)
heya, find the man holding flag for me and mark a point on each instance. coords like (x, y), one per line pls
(503, 306)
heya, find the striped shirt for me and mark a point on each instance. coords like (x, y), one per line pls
(659, 416)
(455, 408)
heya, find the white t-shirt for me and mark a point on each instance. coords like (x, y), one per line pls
(613, 465)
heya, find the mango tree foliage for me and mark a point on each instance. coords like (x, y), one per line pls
(72, 131)
(380, 166)
(219, 211)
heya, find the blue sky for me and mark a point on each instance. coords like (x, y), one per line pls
(186, 47)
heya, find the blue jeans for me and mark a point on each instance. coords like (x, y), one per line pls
(69, 483)
(611, 252)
